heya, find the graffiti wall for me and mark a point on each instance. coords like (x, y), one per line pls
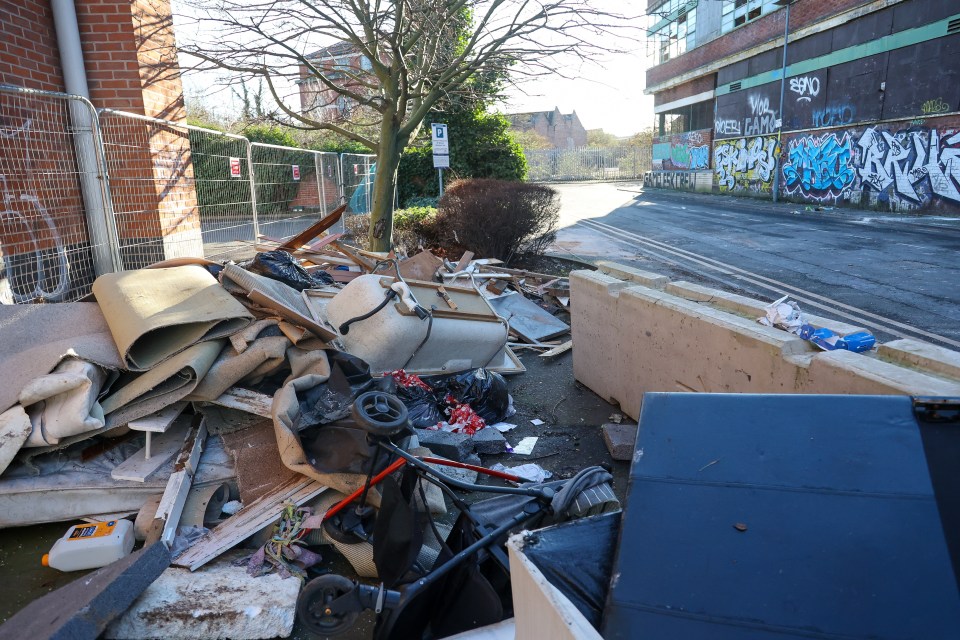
(745, 166)
(682, 151)
(894, 167)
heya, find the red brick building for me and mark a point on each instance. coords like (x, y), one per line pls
(871, 95)
(344, 66)
(129, 53)
(563, 130)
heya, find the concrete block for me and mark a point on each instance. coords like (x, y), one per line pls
(923, 356)
(596, 295)
(454, 446)
(620, 439)
(489, 441)
(217, 601)
(631, 274)
(847, 372)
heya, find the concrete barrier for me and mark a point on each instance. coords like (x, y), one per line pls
(630, 338)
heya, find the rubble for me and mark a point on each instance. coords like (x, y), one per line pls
(203, 397)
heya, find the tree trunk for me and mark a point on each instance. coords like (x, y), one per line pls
(384, 185)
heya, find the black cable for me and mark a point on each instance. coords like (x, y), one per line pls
(425, 338)
(345, 327)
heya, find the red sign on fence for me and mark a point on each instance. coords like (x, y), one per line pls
(296, 171)
(234, 167)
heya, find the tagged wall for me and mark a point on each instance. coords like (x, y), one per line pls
(682, 151)
(892, 166)
(745, 166)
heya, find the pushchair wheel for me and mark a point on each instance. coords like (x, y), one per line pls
(379, 413)
(313, 605)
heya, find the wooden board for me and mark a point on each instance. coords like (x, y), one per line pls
(167, 444)
(248, 521)
(160, 421)
(245, 400)
(566, 346)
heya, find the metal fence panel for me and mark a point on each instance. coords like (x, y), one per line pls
(49, 251)
(178, 190)
(358, 171)
(588, 163)
(294, 187)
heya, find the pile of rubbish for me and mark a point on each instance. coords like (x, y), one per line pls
(220, 414)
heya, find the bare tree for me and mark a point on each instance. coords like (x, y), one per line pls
(413, 53)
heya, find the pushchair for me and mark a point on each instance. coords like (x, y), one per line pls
(468, 584)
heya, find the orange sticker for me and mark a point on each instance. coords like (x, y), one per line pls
(94, 530)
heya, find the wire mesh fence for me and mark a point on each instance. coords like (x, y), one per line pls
(47, 151)
(588, 163)
(178, 190)
(294, 188)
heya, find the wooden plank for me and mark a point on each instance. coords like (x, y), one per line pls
(463, 261)
(160, 421)
(351, 253)
(137, 468)
(314, 230)
(248, 521)
(247, 401)
(566, 346)
(178, 486)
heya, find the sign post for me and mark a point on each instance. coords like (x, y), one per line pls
(441, 150)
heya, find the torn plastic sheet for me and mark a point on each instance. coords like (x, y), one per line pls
(783, 314)
(530, 471)
(524, 447)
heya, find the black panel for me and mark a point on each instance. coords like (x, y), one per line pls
(766, 61)
(805, 95)
(853, 92)
(819, 44)
(774, 517)
(917, 13)
(736, 71)
(923, 79)
(863, 29)
(749, 112)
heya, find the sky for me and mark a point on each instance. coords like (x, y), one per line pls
(608, 96)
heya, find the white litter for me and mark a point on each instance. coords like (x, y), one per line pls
(503, 427)
(525, 446)
(536, 422)
(783, 314)
(530, 471)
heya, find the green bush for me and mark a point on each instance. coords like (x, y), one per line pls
(498, 218)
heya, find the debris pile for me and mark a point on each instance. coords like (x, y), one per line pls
(311, 396)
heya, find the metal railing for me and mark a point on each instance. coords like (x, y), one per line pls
(53, 237)
(588, 163)
(178, 190)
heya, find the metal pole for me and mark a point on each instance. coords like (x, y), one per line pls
(440, 176)
(783, 84)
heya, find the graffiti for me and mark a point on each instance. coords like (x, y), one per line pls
(834, 115)
(763, 120)
(689, 150)
(934, 106)
(727, 127)
(806, 87)
(26, 271)
(819, 167)
(913, 163)
(745, 164)
(699, 157)
(667, 180)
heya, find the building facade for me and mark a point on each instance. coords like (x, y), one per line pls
(563, 130)
(344, 66)
(870, 109)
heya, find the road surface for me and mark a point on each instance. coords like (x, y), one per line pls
(896, 275)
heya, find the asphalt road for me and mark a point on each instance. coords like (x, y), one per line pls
(897, 275)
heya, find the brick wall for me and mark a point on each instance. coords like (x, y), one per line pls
(28, 55)
(803, 13)
(687, 89)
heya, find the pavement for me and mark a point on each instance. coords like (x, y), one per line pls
(894, 274)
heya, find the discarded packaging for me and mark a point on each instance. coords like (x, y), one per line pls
(525, 446)
(91, 546)
(530, 472)
(783, 314)
(829, 340)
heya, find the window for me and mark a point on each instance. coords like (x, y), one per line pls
(365, 63)
(737, 13)
(672, 29)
